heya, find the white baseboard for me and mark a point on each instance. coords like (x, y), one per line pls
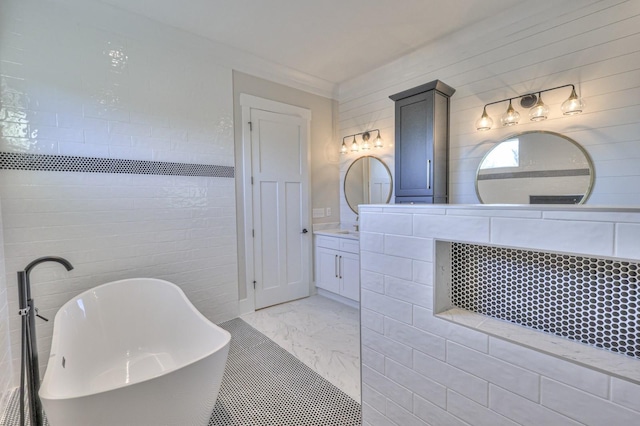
(246, 306)
(338, 298)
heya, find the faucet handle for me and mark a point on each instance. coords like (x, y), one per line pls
(40, 316)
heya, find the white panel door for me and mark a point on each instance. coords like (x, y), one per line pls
(281, 243)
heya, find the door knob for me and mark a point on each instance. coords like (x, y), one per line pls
(304, 231)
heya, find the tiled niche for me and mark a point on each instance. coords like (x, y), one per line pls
(582, 299)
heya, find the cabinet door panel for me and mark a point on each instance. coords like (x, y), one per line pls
(414, 145)
(350, 272)
(440, 169)
(327, 269)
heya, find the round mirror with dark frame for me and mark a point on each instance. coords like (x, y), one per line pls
(367, 181)
(535, 167)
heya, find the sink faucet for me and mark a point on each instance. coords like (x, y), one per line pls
(28, 312)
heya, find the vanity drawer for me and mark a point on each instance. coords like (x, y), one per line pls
(328, 242)
(351, 246)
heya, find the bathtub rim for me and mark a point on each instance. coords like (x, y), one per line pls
(45, 391)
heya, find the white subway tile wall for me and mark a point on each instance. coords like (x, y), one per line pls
(6, 370)
(112, 85)
(533, 46)
(434, 372)
(546, 234)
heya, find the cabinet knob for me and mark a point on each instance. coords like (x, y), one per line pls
(304, 231)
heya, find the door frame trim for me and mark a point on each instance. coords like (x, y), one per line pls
(249, 102)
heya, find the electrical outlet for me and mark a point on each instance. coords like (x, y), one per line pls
(318, 213)
(328, 211)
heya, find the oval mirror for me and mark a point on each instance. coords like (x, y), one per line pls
(368, 181)
(535, 168)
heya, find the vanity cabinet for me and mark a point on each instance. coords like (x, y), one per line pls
(337, 266)
(422, 143)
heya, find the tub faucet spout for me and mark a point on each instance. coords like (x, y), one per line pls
(62, 261)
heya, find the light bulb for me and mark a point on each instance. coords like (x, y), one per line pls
(365, 141)
(574, 105)
(343, 148)
(378, 142)
(511, 117)
(484, 122)
(539, 111)
(354, 145)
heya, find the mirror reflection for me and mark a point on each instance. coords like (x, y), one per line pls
(368, 181)
(535, 168)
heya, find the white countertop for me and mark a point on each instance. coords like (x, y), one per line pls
(339, 233)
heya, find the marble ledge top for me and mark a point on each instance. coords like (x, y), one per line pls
(523, 211)
(489, 207)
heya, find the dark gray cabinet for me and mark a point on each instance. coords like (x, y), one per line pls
(422, 143)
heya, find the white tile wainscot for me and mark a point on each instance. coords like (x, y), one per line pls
(460, 367)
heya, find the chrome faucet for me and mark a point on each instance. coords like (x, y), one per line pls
(28, 312)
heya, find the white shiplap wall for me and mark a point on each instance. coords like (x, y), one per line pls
(103, 83)
(593, 44)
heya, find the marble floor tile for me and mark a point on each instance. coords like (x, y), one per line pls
(322, 333)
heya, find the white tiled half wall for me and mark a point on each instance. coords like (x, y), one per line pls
(420, 369)
(99, 82)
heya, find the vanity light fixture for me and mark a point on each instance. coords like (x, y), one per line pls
(365, 142)
(538, 112)
(354, 145)
(366, 145)
(484, 122)
(378, 141)
(574, 105)
(511, 117)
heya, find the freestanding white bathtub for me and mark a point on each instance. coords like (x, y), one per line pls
(133, 352)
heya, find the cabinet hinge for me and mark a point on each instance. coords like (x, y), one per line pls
(250, 127)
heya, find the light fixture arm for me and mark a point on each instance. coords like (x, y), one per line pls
(573, 88)
(538, 112)
(367, 132)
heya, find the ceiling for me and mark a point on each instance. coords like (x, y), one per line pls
(333, 40)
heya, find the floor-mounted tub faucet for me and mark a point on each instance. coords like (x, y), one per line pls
(28, 312)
